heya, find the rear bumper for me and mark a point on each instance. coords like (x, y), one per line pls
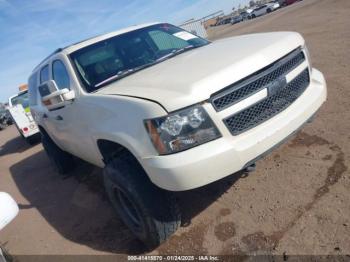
(32, 130)
(217, 159)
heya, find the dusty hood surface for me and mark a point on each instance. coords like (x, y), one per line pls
(193, 76)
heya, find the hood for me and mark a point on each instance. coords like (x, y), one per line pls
(194, 76)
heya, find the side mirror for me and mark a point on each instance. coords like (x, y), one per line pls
(8, 209)
(54, 98)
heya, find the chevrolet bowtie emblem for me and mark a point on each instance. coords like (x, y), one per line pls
(276, 86)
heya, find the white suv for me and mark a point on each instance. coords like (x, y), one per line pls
(162, 110)
(264, 9)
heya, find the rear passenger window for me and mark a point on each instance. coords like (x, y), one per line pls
(44, 74)
(32, 90)
(60, 75)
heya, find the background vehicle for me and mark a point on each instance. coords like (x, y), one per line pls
(261, 10)
(287, 2)
(272, 6)
(224, 21)
(236, 19)
(5, 118)
(245, 15)
(22, 117)
(161, 110)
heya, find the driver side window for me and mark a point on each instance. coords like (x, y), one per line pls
(60, 75)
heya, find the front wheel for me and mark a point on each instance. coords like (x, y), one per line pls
(151, 213)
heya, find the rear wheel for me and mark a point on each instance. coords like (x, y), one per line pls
(269, 10)
(151, 213)
(253, 16)
(62, 161)
(33, 139)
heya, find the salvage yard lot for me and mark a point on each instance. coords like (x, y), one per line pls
(296, 202)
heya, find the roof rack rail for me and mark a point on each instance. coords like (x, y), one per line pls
(54, 52)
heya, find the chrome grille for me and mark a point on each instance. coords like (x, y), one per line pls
(267, 108)
(254, 83)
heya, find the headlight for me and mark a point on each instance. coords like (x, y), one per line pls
(181, 130)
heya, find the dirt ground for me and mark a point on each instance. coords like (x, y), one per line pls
(296, 202)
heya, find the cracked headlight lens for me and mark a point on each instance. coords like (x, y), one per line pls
(181, 130)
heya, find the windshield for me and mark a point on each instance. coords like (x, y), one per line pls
(21, 99)
(119, 56)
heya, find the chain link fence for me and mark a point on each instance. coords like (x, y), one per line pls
(195, 27)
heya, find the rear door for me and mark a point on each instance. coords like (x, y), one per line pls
(34, 102)
(261, 10)
(41, 114)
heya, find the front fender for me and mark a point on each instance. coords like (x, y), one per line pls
(120, 119)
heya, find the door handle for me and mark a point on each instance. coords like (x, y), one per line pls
(59, 118)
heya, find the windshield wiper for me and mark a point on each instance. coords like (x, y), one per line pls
(123, 73)
(176, 52)
(127, 72)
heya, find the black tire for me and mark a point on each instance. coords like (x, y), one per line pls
(62, 161)
(253, 16)
(30, 140)
(34, 139)
(151, 213)
(269, 10)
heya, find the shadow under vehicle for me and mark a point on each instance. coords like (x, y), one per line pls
(69, 204)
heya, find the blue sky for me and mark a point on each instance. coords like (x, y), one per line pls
(32, 29)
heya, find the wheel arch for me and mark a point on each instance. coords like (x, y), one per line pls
(45, 133)
(109, 149)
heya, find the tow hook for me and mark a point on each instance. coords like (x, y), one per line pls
(250, 168)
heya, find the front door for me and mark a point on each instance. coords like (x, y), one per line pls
(62, 119)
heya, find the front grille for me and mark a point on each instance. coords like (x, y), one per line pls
(254, 83)
(267, 108)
